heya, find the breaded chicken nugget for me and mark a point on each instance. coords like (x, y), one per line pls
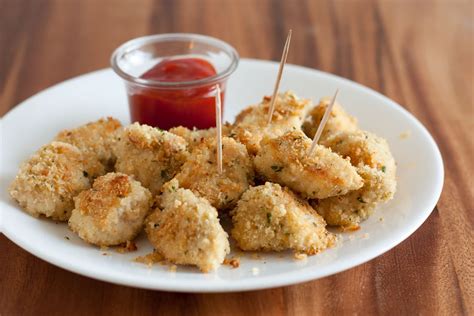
(338, 120)
(272, 218)
(350, 209)
(95, 139)
(251, 124)
(151, 155)
(112, 211)
(200, 173)
(197, 136)
(47, 183)
(376, 166)
(186, 230)
(363, 148)
(285, 160)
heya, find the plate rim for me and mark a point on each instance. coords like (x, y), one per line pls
(267, 282)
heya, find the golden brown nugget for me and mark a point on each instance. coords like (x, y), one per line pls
(112, 211)
(151, 155)
(95, 140)
(339, 120)
(195, 137)
(186, 229)
(371, 154)
(350, 209)
(251, 124)
(271, 218)
(363, 148)
(286, 160)
(200, 173)
(47, 183)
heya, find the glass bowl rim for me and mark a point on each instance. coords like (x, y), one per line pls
(178, 37)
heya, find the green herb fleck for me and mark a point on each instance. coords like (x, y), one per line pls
(269, 218)
(277, 168)
(384, 168)
(360, 199)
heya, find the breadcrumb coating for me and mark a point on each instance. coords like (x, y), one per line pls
(186, 230)
(151, 155)
(363, 148)
(251, 124)
(339, 120)
(112, 211)
(376, 165)
(285, 160)
(95, 140)
(271, 218)
(197, 136)
(200, 174)
(47, 183)
(350, 209)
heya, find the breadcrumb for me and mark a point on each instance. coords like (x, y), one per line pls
(186, 230)
(272, 218)
(234, 262)
(151, 155)
(128, 246)
(150, 258)
(251, 124)
(112, 211)
(200, 173)
(285, 160)
(47, 183)
(300, 256)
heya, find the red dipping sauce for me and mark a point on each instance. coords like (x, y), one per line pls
(168, 107)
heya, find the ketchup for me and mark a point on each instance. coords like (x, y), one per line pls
(167, 107)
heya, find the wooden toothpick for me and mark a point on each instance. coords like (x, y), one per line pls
(219, 129)
(280, 72)
(323, 123)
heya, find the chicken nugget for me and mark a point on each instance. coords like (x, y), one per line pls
(95, 140)
(200, 174)
(363, 148)
(339, 120)
(112, 211)
(151, 155)
(375, 164)
(286, 160)
(186, 230)
(350, 209)
(251, 124)
(271, 218)
(47, 183)
(195, 137)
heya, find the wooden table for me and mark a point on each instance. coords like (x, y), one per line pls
(419, 53)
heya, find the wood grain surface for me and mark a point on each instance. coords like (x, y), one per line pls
(419, 53)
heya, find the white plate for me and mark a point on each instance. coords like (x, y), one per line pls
(101, 93)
